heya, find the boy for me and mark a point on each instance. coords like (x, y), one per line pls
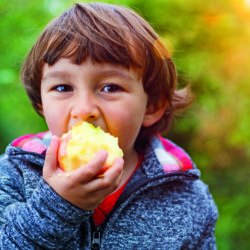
(103, 64)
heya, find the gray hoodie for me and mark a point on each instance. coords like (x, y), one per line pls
(164, 205)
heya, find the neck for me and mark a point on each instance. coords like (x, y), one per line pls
(130, 162)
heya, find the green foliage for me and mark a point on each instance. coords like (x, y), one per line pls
(209, 42)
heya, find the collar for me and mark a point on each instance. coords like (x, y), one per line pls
(35, 143)
(171, 157)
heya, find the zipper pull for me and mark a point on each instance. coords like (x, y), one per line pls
(96, 241)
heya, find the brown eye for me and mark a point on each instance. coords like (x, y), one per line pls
(63, 88)
(111, 88)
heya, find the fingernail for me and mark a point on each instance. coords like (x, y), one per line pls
(120, 161)
(103, 152)
(54, 138)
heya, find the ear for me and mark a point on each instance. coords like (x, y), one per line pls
(154, 112)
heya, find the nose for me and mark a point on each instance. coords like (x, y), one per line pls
(85, 108)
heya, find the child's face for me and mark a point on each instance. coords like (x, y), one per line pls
(106, 95)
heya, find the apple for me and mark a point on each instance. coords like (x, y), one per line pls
(81, 144)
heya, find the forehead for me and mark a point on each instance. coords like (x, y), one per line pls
(65, 68)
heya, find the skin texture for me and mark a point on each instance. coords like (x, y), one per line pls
(106, 95)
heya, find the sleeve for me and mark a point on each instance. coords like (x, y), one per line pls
(44, 221)
(207, 240)
(207, 236)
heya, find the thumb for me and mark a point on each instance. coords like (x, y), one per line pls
(51, 163)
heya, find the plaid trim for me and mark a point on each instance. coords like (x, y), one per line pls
(33, 143)
(172, 157)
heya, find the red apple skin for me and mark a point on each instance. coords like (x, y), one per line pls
(62, 151)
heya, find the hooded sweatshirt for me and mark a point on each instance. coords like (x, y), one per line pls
(163, 206)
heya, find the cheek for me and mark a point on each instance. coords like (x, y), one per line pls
(55, 120)
(126, 125)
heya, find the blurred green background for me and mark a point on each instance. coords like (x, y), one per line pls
(210, 44)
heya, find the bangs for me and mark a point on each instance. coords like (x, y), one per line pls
(78, 50)
(79, 36)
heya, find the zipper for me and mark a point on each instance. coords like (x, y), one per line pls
(95, 234)
(96, 231)
(96, 240)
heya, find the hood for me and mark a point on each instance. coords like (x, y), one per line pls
(164, 158)
(36, 143)
(31, 148)
(171, 157)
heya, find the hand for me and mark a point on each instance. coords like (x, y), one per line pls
(80, 187)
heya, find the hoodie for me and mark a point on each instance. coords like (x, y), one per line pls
(164, 205)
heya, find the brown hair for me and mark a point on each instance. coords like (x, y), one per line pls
(112, 34)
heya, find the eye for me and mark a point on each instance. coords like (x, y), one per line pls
(63, 88)
(111, 88)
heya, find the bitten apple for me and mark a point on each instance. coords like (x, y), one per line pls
(81, 144)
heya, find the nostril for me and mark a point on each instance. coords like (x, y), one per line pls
(84, 112)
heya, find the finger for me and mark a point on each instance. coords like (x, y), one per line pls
(87, 172)
(110, 181)
(51, 163)
(112, 177)
(115, 170)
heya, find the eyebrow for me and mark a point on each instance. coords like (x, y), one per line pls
(56, 74)
(59, 74)
(113, 72)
